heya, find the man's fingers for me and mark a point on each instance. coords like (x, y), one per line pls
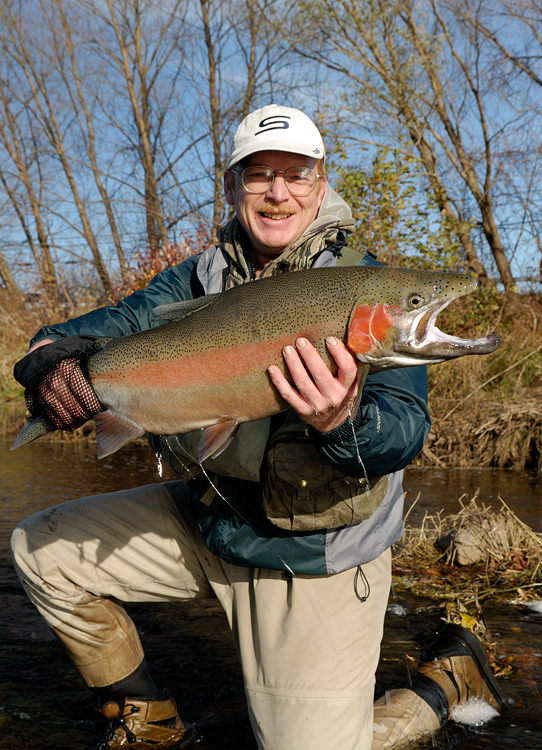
(318, 396)
(307, 368)
(285, 390)
(345, 361)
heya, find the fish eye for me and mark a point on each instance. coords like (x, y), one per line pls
(415, 300)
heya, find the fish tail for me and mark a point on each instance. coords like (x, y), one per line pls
(33, 430)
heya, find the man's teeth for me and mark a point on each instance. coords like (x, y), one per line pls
(276, 216)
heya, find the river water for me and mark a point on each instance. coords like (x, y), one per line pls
(44, 706)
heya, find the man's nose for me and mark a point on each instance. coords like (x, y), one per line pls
(278, 191)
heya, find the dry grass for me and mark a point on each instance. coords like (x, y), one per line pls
(487, 411)
(488, 433)
(510, 555)
(15, 330)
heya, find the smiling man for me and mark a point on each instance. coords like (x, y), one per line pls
(276, 197)
(305, 605)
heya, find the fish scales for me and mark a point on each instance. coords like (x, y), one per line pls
(253, 312)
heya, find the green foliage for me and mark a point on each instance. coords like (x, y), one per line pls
(397, 220)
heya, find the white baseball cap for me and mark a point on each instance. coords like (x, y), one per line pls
(276, 128)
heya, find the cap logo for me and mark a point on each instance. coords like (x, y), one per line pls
(275, 122)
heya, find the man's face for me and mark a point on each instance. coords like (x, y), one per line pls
(276, 218)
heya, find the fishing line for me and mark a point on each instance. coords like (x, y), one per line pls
(351, 420)
(215, 488)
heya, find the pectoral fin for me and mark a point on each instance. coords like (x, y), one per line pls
(216, 438)
(112, 433)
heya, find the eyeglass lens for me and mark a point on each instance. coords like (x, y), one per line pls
(299, 180)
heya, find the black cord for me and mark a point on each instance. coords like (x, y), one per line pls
(361, 574)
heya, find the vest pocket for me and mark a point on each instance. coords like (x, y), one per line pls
(300, 491)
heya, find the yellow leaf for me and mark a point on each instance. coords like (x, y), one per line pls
(467, 621)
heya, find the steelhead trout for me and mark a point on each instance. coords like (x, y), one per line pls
(207, 367)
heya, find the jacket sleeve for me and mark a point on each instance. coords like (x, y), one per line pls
(389, 429)
(134, 313)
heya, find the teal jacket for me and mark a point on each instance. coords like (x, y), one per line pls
(391, 426)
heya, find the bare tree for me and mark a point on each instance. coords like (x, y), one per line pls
(17, 177)
(523, 50)
(8, 281)
(34, 82)
(514, 29)
(123, 111)
(242, 56)
(140, 60)
(73, 80)
(414, 65)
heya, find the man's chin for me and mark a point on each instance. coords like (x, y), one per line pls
(277, 239)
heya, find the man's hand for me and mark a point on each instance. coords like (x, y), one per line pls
(321, 399)
(68, 398)
(62, 394)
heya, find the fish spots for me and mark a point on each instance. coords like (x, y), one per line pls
(370, 324)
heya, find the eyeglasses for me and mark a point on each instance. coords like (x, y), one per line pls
(299, 180)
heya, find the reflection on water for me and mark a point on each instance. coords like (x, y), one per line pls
(43, 473)
(191, 646)
(441, 489)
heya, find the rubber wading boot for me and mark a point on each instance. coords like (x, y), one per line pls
(453, 668)
(144, 725)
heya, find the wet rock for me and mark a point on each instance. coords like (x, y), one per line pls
(462, 545)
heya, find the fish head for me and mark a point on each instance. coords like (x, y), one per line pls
(392, 323)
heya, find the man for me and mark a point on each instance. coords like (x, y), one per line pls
(306, 608)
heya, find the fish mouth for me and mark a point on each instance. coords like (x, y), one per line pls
(427, 342)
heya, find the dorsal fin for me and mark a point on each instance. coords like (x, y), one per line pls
(179, 310)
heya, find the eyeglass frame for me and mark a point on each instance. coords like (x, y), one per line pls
(276, 172)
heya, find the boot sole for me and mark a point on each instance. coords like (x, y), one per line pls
(475, 649)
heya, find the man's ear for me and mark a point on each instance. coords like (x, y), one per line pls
(229, 187)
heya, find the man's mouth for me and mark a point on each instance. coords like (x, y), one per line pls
(276, 217)
(274, 214)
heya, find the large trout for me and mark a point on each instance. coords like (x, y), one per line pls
(207, 368)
